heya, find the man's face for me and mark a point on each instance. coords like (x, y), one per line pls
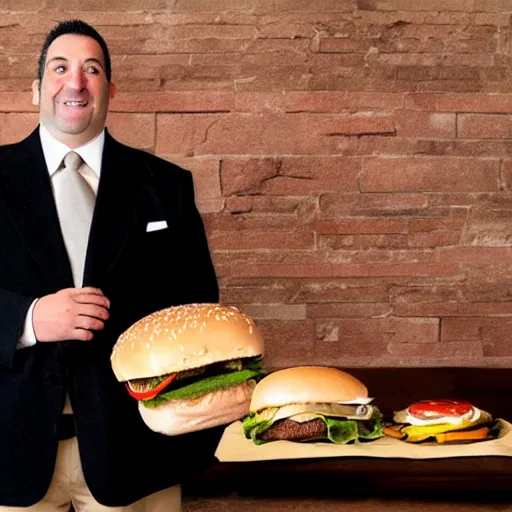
(74, 93)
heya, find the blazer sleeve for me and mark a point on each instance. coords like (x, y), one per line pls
(13, 311)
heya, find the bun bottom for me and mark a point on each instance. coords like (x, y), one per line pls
(176, 417)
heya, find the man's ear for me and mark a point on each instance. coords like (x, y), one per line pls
(35, 91)
(111, 90)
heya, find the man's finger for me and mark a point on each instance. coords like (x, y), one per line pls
(93, 311)
(89, 323)
(82, 334)
(90, 298)
(89, 289)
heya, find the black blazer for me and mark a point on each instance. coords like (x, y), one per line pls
(139, 272)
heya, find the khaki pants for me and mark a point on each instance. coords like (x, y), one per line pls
(68, 486)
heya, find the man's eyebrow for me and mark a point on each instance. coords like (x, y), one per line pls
(97, 61)
(55, 58)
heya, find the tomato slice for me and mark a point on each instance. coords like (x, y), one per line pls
(147, 395)
(440, 408)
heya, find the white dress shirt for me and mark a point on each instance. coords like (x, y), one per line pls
(54, 152)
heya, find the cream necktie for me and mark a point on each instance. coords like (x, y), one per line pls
(75, 204)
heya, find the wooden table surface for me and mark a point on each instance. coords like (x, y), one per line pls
(393, 389)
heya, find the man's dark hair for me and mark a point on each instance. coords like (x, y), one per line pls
(76, 27)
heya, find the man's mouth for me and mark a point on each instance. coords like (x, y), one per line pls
(75, 103)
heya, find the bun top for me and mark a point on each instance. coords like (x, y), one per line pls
(306, 384)
(184, 337)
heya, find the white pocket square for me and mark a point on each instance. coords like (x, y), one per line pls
(156, 226)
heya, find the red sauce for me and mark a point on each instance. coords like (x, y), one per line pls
(438, 408)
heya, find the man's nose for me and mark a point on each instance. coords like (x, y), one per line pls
(77, 79)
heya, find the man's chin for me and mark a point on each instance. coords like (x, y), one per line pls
(72, 133)
(73, 127)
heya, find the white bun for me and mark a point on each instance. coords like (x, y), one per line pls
(176, 417)
(306, 384)
(184, 337)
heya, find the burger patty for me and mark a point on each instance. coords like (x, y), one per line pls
(294, 431)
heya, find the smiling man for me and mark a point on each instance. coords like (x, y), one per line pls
(74, 89)
(80, 262)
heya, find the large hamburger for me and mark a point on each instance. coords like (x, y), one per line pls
(190, 367)
(311, 403)
(442, 421)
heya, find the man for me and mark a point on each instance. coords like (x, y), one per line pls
(63, 415)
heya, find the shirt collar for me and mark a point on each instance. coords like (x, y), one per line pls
(54, 151)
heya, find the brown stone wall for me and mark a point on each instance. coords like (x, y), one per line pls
(352, 159)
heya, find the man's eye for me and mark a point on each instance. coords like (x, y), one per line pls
(92, 70)
(60, 69)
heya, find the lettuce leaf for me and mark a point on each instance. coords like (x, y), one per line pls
(339, 431)
(204, 386)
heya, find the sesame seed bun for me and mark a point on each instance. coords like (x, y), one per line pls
(306, 384)
(182, 338)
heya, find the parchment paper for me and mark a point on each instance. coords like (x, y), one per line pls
(234, 447)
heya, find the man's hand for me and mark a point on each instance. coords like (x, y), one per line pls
(70, 314)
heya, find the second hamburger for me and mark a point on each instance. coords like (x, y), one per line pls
(312, 403)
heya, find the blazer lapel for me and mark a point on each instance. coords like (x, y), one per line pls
(26, 189)
(115, 212)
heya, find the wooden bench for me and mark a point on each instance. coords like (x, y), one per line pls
(474, 478)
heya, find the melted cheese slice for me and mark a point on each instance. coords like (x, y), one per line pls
(306, 412)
